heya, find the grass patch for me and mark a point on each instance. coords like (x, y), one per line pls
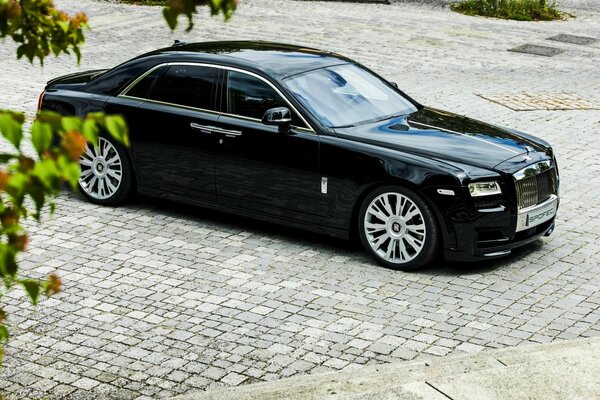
(521, 10)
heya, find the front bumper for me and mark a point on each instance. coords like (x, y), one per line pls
(470, 249)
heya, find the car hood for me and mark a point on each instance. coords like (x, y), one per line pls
(445, 136)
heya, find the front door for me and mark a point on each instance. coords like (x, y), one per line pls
(257, 167)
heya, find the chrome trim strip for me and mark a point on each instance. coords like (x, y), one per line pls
(203, 128)
(498, 253)
(135, 81)
(522, 216)
(228, 132)
(275, 89)
(123, 93)
(446, 192)
(533, 169)
(299, 128)
(170, 104)
(492, 210)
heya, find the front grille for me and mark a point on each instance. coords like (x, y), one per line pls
(536, 189)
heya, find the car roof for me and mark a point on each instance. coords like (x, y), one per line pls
(276, 59)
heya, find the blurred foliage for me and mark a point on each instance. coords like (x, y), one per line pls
(521, 10)
(174, 8)
(30, 183)
(40, 29)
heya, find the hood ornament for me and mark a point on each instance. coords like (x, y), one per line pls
(527, 157)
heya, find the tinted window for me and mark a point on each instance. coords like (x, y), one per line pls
(142, 88)
(249, 96)
(187, 85)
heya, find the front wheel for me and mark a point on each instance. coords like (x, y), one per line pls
(398, 228)
(106, 175)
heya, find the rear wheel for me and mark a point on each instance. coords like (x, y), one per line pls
(398, 228)
(106, 175)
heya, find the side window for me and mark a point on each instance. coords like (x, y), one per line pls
(250, 97)
(186, 85)
(142, 88)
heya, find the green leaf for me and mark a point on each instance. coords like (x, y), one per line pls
(90, 130)
(171, 18)
(48, 174)
(64, 25)
(70, 170)
(38, 195)
(77, 53)
(41, 136)
(117, 127)
(71, 124)
(16, 184)
(21, 51)
(8, 262)
(56, 49)
(11, 129)
(3, 333)
(32, 288)
(50, 117)
(6, 157)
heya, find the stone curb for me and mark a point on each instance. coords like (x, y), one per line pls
(561, 370)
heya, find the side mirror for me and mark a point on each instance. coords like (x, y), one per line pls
(394, 84)
(279, 116)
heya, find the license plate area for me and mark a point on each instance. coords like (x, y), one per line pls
(534, 218)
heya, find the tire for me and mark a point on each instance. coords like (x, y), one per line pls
(403, 238)
(106, 174)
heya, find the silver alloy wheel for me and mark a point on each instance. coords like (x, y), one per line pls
(101, 170)
(395, 227)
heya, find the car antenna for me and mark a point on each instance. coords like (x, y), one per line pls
(178, 43)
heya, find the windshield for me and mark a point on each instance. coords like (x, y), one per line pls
(346, 95)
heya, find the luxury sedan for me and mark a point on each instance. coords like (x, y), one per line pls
(313, 140)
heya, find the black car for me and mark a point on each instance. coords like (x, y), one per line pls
(314, 140)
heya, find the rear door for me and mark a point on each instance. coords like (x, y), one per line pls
(257, 167)
(172, 143)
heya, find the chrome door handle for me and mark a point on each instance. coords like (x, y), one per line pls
(227, 132)
(203, 128)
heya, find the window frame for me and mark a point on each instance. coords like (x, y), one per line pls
(220, 90)
(225, 98)
(143, 76)
(214, 93)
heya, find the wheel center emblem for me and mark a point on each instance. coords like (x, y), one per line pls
(100, 168)
(396, 227)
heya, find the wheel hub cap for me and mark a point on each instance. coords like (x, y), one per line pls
(395, 227)
(100, 167)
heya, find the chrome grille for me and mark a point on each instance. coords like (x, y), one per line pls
(536, 189)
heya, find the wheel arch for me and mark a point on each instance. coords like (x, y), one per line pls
(439, 220)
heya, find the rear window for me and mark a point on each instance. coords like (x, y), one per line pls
(186, 85)
(142, 88)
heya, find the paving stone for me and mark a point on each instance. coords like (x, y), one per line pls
(85, 383)
(162, 299)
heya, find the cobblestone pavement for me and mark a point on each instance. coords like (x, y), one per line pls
(162, 299)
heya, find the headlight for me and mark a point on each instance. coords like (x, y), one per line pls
(484, 189)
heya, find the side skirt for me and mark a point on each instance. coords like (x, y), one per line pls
(333, 232)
